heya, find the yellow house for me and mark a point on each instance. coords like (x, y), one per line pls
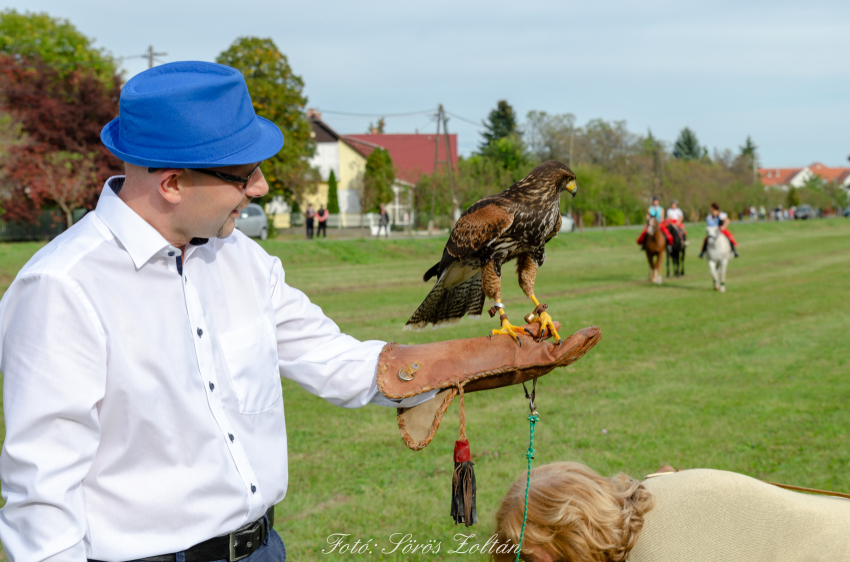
(337, 154)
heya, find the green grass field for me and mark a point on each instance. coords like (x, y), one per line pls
(754, 380)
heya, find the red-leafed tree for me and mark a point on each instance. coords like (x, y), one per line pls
(66, 178)
(62, 116)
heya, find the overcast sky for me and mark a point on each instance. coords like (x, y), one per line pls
(776, 70)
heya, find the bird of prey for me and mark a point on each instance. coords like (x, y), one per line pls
(514, 224)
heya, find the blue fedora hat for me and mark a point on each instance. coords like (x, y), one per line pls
(189, 115)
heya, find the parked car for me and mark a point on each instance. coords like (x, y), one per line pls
(805, 212)
(567, 223)
(252, 222)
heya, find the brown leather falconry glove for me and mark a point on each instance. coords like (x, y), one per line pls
(471, 364)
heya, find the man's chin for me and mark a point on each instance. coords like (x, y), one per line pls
(226, 229)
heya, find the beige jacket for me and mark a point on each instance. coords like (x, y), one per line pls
(711, 515)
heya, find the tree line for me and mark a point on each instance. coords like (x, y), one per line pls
(617, 171)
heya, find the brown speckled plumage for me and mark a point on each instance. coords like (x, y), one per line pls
(514, 224)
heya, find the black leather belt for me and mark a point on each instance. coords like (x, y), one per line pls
(237, 545)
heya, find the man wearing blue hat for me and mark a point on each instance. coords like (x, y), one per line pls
(142, 349)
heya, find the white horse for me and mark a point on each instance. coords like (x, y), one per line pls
(719, 254)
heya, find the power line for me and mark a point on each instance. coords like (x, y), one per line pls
(456, 116)
(332, 112)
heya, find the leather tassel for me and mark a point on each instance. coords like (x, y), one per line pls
(463, 478)
(463, 486)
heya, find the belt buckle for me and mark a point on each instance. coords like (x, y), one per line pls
(232, 543)
(233, 539)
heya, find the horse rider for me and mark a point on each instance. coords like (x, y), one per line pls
(676, 218)
(655, 211)
(721, 220)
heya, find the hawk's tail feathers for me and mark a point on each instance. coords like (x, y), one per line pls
(431, 272)
(443, 307)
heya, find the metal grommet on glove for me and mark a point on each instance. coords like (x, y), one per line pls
(410, 370)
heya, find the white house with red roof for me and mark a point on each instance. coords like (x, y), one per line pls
(412, 154)
(783, 178)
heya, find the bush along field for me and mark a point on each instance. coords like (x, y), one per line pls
(752, 381)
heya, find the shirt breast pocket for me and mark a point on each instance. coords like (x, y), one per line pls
(251, 355)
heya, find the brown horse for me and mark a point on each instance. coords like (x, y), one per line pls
(656, 244)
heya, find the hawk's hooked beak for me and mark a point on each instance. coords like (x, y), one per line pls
(572, 188)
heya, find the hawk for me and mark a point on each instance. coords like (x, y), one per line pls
(514, 224)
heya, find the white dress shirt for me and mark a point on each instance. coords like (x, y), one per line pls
(143, 406)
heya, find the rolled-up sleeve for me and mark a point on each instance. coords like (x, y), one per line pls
(54, 366)
(315, 354)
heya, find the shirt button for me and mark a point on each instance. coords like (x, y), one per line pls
(170, 254)
(253, 489)
(200, 332)
(212, 386)
(231, 437)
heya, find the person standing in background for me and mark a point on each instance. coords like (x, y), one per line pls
(384, 221)
(322, 218)
(308, 220)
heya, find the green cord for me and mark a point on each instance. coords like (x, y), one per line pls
(532, 419)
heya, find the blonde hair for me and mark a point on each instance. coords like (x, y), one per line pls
(574, 514)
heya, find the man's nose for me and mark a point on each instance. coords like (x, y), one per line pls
(258, 185)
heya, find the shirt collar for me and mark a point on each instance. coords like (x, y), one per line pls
(140, 239)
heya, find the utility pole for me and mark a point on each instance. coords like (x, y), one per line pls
(151, 54)
(455, 203)
(755, 169)
(441, 120)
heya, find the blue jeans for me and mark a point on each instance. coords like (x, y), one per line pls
(273, 550)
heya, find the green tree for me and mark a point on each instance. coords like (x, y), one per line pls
(378, 180)
(333, 195)
(550, 137)
(792, 198)
(277, 95)
(510, 152)
(607, 144)
(500, 123)
(56, 42)
(749, 148)
(654, 149)
(687, 146)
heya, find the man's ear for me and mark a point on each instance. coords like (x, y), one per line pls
(172, 181)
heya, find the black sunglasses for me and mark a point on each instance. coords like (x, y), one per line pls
(221, 175)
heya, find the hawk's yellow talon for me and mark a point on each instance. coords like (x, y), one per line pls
(545, 322)
(508, 329)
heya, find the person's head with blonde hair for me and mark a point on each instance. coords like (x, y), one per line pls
(574, 515)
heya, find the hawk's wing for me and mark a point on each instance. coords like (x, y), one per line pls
(478, 228)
